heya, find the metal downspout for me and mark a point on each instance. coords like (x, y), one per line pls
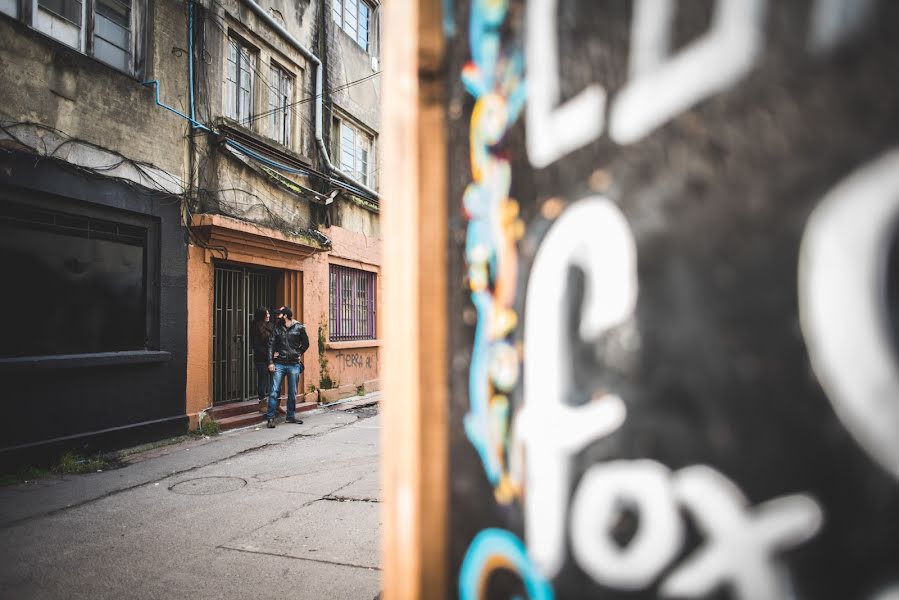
(319, 94)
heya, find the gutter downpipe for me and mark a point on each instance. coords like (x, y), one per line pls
(319, 94)
(190, 62)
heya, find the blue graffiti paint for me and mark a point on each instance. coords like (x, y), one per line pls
(496, 80)
(493, 548)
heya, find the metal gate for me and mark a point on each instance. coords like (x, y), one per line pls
(238, 292)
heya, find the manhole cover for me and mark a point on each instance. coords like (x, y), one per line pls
(207, 486)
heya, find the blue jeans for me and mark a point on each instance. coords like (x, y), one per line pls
(293, 375)
(263, 380)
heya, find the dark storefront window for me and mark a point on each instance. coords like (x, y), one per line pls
(74, 283)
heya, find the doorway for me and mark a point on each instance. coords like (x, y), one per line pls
(238, 292)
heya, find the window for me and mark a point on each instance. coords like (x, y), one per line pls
(91, 272)
(279, 104)
(10, 7)
(355, 151)
(354, 17)
(352, 305)
(239, 83)
(61, 19)
(112, 32)
(107, 34)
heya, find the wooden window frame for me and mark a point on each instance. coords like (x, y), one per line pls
(233, 108)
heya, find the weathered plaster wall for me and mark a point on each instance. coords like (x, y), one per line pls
(299, 19)
(46, 82)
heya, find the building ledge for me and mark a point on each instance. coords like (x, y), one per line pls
(242, 238)
(93, 359)
(352, 345)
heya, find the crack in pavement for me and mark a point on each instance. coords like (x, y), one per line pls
(333, 498)
(288, 514)
(360, 462)
(292, 557)
(129, 488)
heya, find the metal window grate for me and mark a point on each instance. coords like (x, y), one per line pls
(238, 291)
(352, 314)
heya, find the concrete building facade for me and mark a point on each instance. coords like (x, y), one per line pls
(226, 156)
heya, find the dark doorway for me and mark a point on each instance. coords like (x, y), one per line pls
(238, 292)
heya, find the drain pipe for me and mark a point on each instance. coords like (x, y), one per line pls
(319, 95)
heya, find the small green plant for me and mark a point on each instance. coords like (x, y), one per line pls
(325, 381)
(75, 464)
(24, 474)
(208, 426)
(360, 390)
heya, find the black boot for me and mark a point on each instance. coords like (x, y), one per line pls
(271, 424)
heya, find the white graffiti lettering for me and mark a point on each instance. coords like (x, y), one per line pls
(555, 131)
(835, 21)
(740, 543)
(663, 86)
(842, 308)
(592, 235)
(660, 85)
(644, 486)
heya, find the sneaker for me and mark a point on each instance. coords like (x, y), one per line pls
(294, 420)
(271, 424)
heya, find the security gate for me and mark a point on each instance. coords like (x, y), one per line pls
(238, 292)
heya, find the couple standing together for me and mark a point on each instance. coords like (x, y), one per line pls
(278, 353)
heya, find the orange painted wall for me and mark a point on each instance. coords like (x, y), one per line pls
(354, 365)
(352, 250)
(200, 287)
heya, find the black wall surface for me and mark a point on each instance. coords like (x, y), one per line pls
(97, 400)
(712, 364)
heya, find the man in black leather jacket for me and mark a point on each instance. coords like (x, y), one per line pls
(285, 358)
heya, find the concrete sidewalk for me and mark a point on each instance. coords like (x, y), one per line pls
(286, 513)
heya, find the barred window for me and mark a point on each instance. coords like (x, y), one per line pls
(352, 314)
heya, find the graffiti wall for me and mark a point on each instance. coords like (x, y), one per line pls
(352, 366)
(674, 299)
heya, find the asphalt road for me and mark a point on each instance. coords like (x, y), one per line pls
(286, 513)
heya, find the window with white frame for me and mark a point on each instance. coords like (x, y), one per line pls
(354, 17)
(239, 82)
(107, 34)
(280, 101)
(352, 305)
(354, 149)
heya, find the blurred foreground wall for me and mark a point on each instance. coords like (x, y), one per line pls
(672, 299)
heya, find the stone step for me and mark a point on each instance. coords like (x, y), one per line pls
(233, 409)
(237, 421)
(255, 417)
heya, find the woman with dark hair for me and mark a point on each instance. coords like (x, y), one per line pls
(260, 332)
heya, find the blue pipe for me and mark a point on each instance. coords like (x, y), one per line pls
(192, 119)
(194, 123)
(190, 55)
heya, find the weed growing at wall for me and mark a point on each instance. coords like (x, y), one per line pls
(325, 381)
